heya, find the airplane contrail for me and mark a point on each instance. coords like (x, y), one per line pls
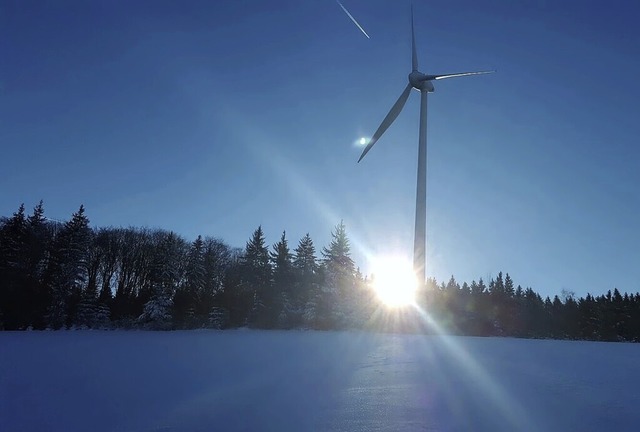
(353, 19)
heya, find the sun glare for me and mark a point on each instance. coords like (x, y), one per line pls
(362, 141)
(394, 281)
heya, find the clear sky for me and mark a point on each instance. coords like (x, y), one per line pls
(212, 117)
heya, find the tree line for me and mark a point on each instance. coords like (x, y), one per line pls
(57, 275)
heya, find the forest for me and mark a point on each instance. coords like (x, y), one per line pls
(68, 275)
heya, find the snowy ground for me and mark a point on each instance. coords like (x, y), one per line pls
(251, 380)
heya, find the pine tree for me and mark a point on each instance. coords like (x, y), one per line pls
(304, 259)
(283, 280)
(634, 320)
(337, 301)
(234, 296)
(500, 299)
(88, 305)
(67, 272)
(620, 320)
(508, 312)
(13, 243)
(496, 287)
(87, 314)
(533, 314)
(473, 309)
(508, 286)
(218, 318)
(337, 257)
(157, 311)
(558, 327)
(587, 320)
(571, 318)
(307, 291)
(102, 316)
(482, 288)
(257, 281)
(547, 327)
(40, 237)
(449, 304)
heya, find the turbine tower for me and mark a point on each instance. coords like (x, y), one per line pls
(423, 83)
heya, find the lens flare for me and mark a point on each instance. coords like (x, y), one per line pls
(394, 281)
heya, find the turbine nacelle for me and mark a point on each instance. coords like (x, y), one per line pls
(421, 82)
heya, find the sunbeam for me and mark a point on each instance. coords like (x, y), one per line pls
(508, 407)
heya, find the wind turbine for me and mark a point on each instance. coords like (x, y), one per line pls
(424, 84)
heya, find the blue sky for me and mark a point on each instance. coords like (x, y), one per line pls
(214, 117)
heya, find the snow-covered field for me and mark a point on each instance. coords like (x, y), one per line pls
(295, 381)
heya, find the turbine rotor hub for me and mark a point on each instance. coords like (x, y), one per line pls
(420, 81)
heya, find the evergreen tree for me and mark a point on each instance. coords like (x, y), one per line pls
(482, 288)
(304, 259)
(257, 281)
(87, 314)
(547, 328)
(307, 290)
(508, 314)
(337, 298)
(608, 319)
(620, 317)
(67, 272)
(234, 296)
(40, 237)
(587, 318)
(283, 280)
(634, 319)
(571, 318)
(452, 286)
(157, 311)
(337, 257)
(533, 315)
(500, 296)
(88, 306)
(558, 325)
(218, 317)
(102, 316)
(508, 285)
(13, 241)
(449, 305)
(306, 293)
(496, 287)
(519, 293)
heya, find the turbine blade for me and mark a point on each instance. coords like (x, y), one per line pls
(353, 19)
(395, 110)
(414, 55)
(460, 74)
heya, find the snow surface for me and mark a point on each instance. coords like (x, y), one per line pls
(294, 381)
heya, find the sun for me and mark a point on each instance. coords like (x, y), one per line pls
(362, 141)
(394, 281)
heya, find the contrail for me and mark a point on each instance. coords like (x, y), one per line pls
(353, 19)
